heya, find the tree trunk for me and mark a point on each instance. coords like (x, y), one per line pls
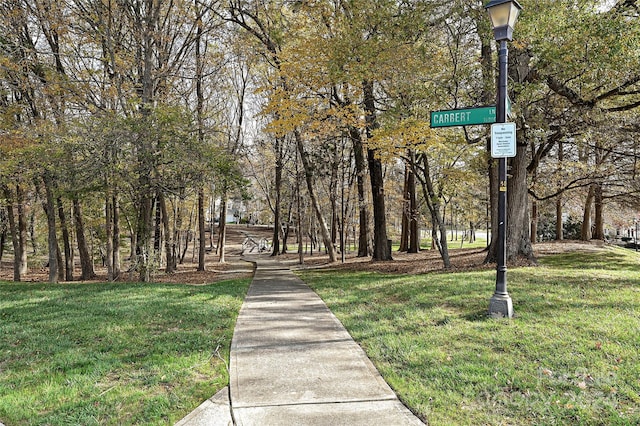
(143, 237)
(312, 234)
(68, 252)
(299, 214)
(534, 221)
(49, 208)
(285, 235)
(308, 172)
(222, 229)
(178, 234)
(3, 238)
(134, 246)
(364, 248)
(147, 25)
(518, 238)
(333, 195)
(157, 229)
(559, 226)
(601, 156)
(116, 237)
(60, 262)
(406, 208)
(275, 243)
(108, 210)
(187, 238)
(169, 240)
(202, 236)
(381, 249)
(284, 230)
(32, 232)
(437, 221)
(585, 231)
(598, 224)
(22, 230)
(472, 232)
(414, 236)
(200, 117)
(14, 234)
(83, 249)
(517, 227)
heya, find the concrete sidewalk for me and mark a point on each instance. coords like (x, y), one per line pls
(293, 363)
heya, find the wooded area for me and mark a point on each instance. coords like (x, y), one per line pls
(130, 129)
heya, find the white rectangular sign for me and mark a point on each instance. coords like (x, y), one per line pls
(503, 140)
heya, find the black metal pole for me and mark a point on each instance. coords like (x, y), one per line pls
(501, 117)
(501, 304)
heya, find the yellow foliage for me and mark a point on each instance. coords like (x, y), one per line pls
(12, 142)
(411, 133)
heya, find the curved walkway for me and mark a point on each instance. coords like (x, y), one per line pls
(293, 363)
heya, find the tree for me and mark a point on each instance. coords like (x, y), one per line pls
(266, 29)
(561, 84)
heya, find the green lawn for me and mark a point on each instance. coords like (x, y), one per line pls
(86, 354)
(456, 243)
(571, 355)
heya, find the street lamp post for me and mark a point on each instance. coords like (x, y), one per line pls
(503, 14)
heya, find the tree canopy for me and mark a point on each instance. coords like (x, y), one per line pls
(129, 111)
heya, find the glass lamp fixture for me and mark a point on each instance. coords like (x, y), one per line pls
(503, 14)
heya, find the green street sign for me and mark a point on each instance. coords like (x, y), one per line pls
(463, 117)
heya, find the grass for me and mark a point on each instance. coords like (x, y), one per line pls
(458, 242)
(571, 355)
(425, 243)
(113, 353)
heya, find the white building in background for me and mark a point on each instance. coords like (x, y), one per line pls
(236, 211)
(239, 211)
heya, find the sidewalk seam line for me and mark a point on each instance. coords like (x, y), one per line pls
(297, 404)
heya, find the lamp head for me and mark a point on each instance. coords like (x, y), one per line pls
(503, 14)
